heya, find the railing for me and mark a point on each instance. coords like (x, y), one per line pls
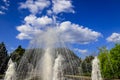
(78, 77)
(83, 77)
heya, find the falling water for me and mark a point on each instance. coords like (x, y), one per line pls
(10, 73)
(47, 64)
(58, 68)
(44, 59)
(96, 74)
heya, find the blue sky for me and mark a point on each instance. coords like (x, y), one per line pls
(101, 16)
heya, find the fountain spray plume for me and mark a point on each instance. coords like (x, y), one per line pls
(43, 59)
(58, 68)
(10, 73)
(96, 73)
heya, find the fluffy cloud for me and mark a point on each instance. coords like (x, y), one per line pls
(24, 28)
(62, 6)
(74, 33)
(27, 32)
(83, 51)
(71, 33)
(38, 21)
(58, 6)
(22, 36)
(6, 2)
(115, 38)
(32, 26)
(1, 12)
(4, 7)
(67, 31)
(35, 6)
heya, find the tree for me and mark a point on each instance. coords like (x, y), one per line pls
(17, 54)
(3, 58)
(115, 60)
(110, 62)
(87, 65)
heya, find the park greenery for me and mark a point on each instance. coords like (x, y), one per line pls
(109, 61)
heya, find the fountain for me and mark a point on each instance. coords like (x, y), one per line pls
(10, 73)
(47, 57)
(58, 68)
(96, 74)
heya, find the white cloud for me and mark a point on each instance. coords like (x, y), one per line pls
(74, 33)
(43, 21)
(62, 6)
(4, 7)
(58, 6)
(115, 38)
(49, 12)
(22, 36)
(35, 6)
(38, 21)
(25, 28)
(6, 2)
(1, 12)
(30, 19)
(68, 31)
(27, 31)
(82, 51)
(71, 33)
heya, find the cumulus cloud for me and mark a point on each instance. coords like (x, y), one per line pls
(71, 33)
(57, 6)
(82, 51)
(35, 6)
(38, 21)
(67, 31)
(25, 28)
(62, 6)
(27, 31)
(4, 6)
(115, 38)
(22, 36)
(74, 33)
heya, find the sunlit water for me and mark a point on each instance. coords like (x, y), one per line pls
(10, 73)
(96, 74)
(58, 68)
(46, 59)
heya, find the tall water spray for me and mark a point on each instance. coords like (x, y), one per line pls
(96, 74)
(58, 68)
(10, 73)
(47, 65)
(43, 60)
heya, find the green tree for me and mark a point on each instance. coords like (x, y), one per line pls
(105, 65)
(4, 57)
(17, 54)
(110, 62)
(115, 60)
(87, 65)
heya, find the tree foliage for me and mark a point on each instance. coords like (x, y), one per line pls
(4, 57)
(17, 54)
(110, 62)
(115, 60)
(87, 65)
